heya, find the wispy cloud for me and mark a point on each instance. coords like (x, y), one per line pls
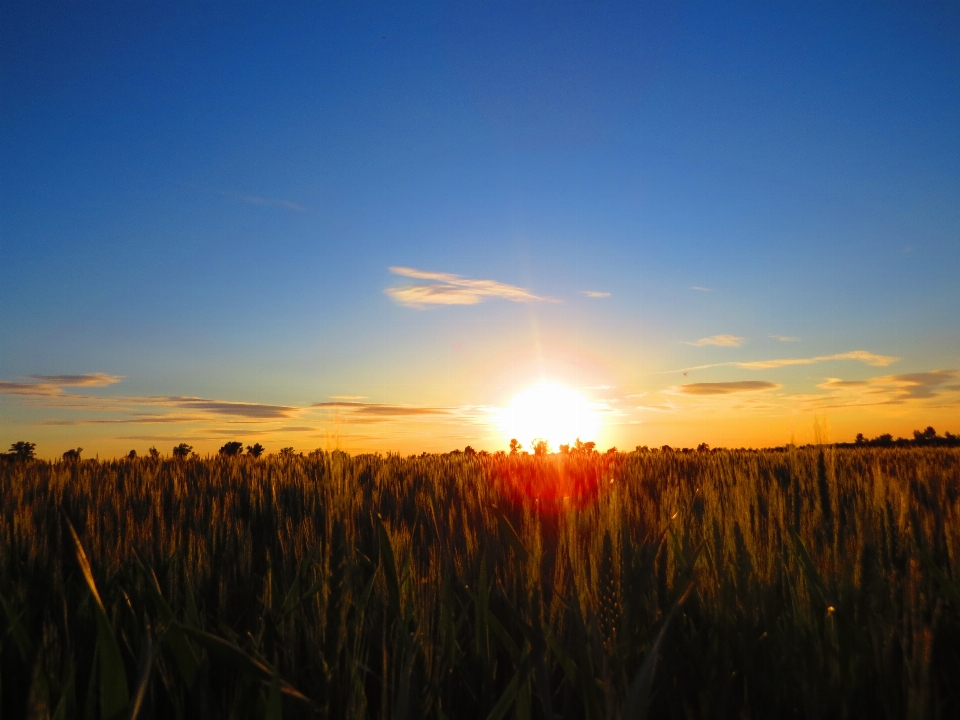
(719, 340)
(381, 410)
(450, 289)
(725, 388)
(862, 355)
(275, 202)
(784, 338)
(251, 199)
(54, 384)
(238, 409)
(595, 294)
(700, 289)
(835, 383)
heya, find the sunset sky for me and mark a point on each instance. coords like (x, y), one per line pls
(371, 227)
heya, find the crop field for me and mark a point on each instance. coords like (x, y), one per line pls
(811, 582)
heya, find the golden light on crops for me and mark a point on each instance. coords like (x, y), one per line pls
(550, 412)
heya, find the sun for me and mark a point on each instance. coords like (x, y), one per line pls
(550, 412)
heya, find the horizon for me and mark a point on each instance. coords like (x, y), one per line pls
(383, 229)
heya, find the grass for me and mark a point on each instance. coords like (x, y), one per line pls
(807, 583)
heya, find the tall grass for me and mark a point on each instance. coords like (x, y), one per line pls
(806, 583)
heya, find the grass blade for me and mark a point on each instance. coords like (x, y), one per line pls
(114, 693)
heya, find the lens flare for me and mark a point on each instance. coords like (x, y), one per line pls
(550, 412)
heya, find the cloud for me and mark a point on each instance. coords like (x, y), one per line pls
(54, 384)
(700, 289)
(347, 397)
(251, 199)
(784, 338)
(595, 294)
(919, 386)
(450, 289)
(834, 383)
(255, 200)
(861, 355)
(381, 410)
(719, 340)
(86, 380)
(240, 409)
(725, 388)
(886, 390)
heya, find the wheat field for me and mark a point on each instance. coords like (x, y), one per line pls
(811, 582)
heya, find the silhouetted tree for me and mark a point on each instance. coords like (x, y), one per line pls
(154, 453)
(860, 439)
(72, 455)
(286, 452)
(23, 450)
(583, 447)
(541, 447)
(515, 447)
(923, 437)
(703, 447)
(256, 450)
(182, 450)
(232, 449)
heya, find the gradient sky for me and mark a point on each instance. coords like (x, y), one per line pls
(371, 226)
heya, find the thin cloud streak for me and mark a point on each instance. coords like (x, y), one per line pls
(725, 388)
(862, 355)
(719, 341)
(784, 338)
(450, 289)
(595, 294)
(47, 385)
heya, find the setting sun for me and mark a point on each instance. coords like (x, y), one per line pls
(550, 412)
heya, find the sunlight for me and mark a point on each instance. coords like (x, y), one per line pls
(550, 412)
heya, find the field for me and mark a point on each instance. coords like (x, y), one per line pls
(813, 582)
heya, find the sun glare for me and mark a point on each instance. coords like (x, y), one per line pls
(550, 412)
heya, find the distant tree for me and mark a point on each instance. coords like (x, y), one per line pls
(860, 439)
(583, 447)
(515, 447)
(286, 452)
(132, 455)
(885, 439)
(182, 450)
(703, 447)
(922, 437)
(541, 448)
(232, 449)
(154, 453)
(72, 455)
(256, 450)
(23, 450)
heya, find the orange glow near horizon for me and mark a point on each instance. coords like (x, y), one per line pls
(550, 412)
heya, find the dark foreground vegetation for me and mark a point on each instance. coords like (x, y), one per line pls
(728, 584)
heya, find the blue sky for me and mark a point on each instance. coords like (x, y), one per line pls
(202, 203)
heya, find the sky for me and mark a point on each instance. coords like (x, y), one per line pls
(370, 227)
